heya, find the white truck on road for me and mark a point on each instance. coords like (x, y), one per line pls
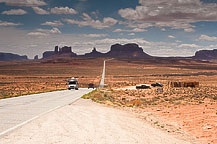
(72, 83)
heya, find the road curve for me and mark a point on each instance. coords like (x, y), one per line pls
(15, 112)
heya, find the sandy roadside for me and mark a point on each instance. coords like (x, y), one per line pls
(86, 122)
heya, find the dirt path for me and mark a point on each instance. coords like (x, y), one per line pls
(85, 122)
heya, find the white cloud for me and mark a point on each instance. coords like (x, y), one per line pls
(176, 14)
(165, 52)
(163, 29)
(37, 34)
(44, 32)
(88, 21)
(14, 12)
(28, 3)
(110, 41)
(171, 36)
(131, 34)
(63, 10)
(108, 21)
(5, 23)
(210, 47)
(178, 41)
(95, 14)
(189, 30)
(188, 46)
(120, 30)
(136, 25)
(176, 25)
(207, 38)
(55, 31)
(40, 11)
(54, 23)
(95, 35)
(132, 30)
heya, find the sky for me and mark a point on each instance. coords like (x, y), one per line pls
(160, 27)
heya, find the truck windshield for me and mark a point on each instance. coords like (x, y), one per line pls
(73, 82)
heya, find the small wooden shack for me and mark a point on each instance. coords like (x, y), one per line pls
(192, 84)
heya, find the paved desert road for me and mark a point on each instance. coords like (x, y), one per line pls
(102, 82)
(101, 85)
(86, 122)
(15, 112)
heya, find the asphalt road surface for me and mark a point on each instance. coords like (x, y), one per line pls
(15, 112)
(86, 122)
(101, 85)
(102, 82)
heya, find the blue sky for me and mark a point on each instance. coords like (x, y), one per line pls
(160, 27)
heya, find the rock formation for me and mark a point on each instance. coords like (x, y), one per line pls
(48, 54)
(94, 53)
(11, 57)
(56, 50)
(121, 51)
(36, 57)
(59, 52)
(65, 49)
(206, 54)
(130, 50)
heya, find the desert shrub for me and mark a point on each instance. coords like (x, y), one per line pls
(135, 102)
(89, 95)
(215, 97)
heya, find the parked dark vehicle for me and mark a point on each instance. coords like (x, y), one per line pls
(90, 85)
(143, 86)
(157, 85)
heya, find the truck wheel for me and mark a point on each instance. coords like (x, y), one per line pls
(76, 88)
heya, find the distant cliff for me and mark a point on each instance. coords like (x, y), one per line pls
(59, 52)
(206, 54)
(130, 50)
(11, 57)
(121, 51)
